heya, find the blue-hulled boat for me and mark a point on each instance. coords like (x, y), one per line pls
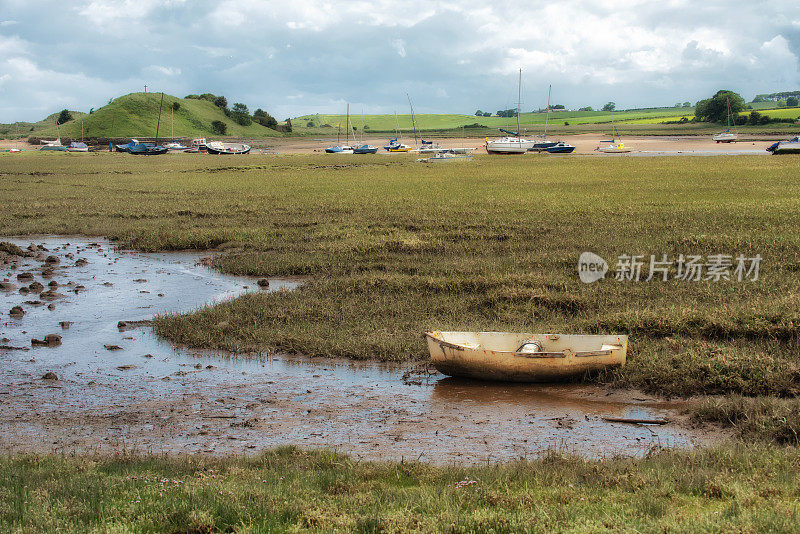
(340, 149)
(147, 149)
(785, 147)
(127, 146)
(560, 148)
(365, 149)
(54, 148)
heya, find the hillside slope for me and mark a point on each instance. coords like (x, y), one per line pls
(26, 129)
(135, 115)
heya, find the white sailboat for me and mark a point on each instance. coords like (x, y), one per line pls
(511, 144)
(615, 145)
(346, 148)
(727, 136)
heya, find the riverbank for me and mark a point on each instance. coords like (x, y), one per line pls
(720, 490)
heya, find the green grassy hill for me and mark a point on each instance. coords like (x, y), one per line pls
(135, 115)
(16, 130)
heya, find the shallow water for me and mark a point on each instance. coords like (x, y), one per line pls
(170, 399)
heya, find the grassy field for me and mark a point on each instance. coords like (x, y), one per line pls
(387, 123)
(753, 489)
(316, 124)
(395, 247)
(136, 114)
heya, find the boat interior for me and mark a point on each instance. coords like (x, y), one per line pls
(524, 343)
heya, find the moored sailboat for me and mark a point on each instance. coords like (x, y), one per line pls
(511, 144)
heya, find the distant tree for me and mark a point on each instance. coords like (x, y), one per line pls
(64, 116)
(792, 102)
(587, 108)
(559, 106)
(507, 112)
(781, 103)
(91, 110)
(221, 102)
(219, 127)
(241, 115)
(288, 126)
(208, 96)
(193, 97)
(176, 106)
(758, 98)
(611, 106)
(310, 124)
(687, 104)
(479, 113)
(715, 109)
(265, 119)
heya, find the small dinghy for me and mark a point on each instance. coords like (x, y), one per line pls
(77, 146)
(520, 357)
(560, 148)
(339, 149)
(147, 149)
(785, 147)
(218, 147)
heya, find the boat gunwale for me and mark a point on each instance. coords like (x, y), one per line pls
(563, 354)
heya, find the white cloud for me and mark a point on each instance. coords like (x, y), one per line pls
(166, 71)
(400, 47)
(451, 56)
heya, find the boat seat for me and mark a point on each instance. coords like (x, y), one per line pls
(470, 345)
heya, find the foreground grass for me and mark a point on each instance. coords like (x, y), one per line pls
(395, 248)
(750, 489)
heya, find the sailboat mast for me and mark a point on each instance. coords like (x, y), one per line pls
(547, 113)
(413, 122)
(519, 104)
(347, 126)
(158, 123)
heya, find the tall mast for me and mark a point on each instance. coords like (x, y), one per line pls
(347, 126)
(519, 104)
(413, 123)
(547, 113)
(158, 123)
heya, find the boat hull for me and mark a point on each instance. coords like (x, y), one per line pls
(493, 356)
(508, 145)
(785, 147)
(564, 149)
(227, 148)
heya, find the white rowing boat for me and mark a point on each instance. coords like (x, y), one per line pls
(521, 357)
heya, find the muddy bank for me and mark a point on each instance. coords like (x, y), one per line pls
(116, 386)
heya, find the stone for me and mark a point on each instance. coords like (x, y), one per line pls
(50, 375)
(16, 312)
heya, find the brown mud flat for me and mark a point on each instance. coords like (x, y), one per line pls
(152, 397)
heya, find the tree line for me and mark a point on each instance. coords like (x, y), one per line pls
(239, 113)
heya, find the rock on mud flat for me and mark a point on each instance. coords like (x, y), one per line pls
(50, 375)
(112, 347)
(16, 312)
(263, 283)
(7, 286)
(50, 295)
(50, 340)
(36, 287)
(25, 277)
(52, 259)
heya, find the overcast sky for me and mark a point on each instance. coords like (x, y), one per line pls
(293, 57)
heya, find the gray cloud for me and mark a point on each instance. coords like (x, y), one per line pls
(303, 57)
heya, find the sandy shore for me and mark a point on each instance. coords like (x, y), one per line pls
(584, 143)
